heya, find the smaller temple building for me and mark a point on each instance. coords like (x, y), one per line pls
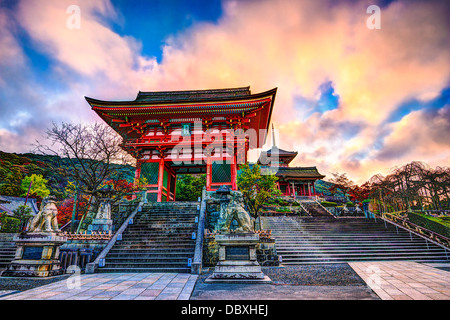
(292, 181)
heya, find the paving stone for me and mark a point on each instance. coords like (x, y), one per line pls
(125, 297)
(150, 292)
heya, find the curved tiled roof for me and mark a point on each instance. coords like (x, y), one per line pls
(11, 203)
(193, 95)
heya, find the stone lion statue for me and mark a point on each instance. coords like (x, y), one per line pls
(104, 210)
(46, 219)
(235, 211)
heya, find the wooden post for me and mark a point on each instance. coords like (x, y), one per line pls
(208, 169)
(175, 186)
(314, 188)
(160, 179)
(233, 173)
(137, 173)
(169, 177)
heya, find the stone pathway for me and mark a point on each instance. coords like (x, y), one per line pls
(404, 280)
(392, 280)
(114, 286)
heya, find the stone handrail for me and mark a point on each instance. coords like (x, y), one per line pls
(422, 232)
(196, 266)
(300, 203)
(90, 267)
(328, 211)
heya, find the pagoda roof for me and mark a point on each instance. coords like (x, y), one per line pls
(299, 173)
(287, 156)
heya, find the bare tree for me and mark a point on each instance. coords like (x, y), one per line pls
(412, 185)
(87, 154)
(90, 151)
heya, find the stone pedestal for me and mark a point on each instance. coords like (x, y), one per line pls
(37, 255)
(237, 260)
(100, 225)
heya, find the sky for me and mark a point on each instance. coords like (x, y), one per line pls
(351, 98)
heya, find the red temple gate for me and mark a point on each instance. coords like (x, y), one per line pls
(189, 132)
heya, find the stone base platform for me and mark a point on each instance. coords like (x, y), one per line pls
(265, 280)
(237, 260)
(36, 255)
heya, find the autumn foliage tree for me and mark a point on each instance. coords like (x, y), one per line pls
(341, 182)
(256, 188)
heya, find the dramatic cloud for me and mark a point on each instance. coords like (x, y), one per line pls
(342, 87)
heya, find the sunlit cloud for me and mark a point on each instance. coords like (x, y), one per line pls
(349, 98)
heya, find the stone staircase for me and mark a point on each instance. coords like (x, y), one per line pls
(7, 249)
(315, 209)
(314, 240)
(158, 240)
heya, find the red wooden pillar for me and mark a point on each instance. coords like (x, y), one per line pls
(174, 187)
(314, 188)
(303, 189)
(233, 173)
(208, 170)
(160, 179)
(137, 173)
(169, 178)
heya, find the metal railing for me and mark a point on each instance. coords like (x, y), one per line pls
(90, 267)
(196, 266)
(399, 221)
(326, 210)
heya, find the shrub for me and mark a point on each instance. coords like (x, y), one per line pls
(282, 202)
(329, 204)
(435, 224)
(9, 224)
(282, 210)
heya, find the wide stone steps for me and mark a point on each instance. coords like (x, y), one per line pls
(158, 251)
(7, 249)
(134, 269)
(325, 240)
(160, 239)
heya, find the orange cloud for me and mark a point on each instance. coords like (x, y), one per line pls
(293, 45)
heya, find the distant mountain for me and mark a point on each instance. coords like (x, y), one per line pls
(14, 167)
(323, 186)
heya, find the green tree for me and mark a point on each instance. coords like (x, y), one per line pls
(23, 213)
(256, 188)
(189, 187)
(341, 182)
(38, 186)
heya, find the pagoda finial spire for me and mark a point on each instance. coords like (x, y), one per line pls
(274, 144)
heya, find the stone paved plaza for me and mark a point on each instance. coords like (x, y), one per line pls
(114, 286)
(383, 280)
(404, 280)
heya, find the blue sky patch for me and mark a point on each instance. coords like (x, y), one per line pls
(415, 104)
(154, 21)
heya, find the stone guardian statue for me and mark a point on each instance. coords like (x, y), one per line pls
(46, 219)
